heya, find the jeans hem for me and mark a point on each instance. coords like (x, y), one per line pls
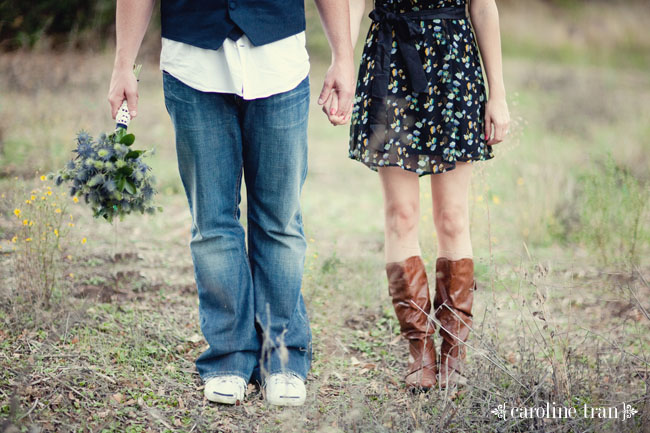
(224, 373)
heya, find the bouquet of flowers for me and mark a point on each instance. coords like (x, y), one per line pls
(109, 174)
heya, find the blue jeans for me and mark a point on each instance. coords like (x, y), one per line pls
(251, 309)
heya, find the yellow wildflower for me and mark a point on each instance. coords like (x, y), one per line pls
(28, 240)
(56, 232)
(496, 199)
(83, 241)
(49, 193)
(71, 275)
(70, 224)
(75, 199)
(31, 223)
(28, 202)
(14, 239)
(69, 257)
(25, 222)
(43, 177)
(58, 210)
(17, 212)
(33, 197)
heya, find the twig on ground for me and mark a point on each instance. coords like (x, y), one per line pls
(158, 417)
(29, 411)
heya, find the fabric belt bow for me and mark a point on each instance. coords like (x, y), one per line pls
(407, 32)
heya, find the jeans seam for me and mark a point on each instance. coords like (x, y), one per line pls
(237, 185)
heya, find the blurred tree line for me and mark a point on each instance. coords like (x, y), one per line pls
(91, 24)
(69, 23)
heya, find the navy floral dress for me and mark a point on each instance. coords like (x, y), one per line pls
(420, 97)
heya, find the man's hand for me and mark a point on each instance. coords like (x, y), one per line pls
(124, 85)
(338, 92)
(338, 88)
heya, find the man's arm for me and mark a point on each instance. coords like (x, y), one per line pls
(485, 19)
(340, 77)
(131, 21)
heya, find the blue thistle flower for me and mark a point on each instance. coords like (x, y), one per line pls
(109, 186)
(85, 146)
(84, 137)
(147, 191)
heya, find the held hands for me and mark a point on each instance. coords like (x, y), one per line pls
(338, 91)
(124, 86)
(497, 120)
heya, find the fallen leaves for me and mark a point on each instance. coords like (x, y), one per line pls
(117, 397)
(364, 366)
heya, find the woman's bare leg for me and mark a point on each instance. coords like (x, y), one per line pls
(401, 189)
(450, 191)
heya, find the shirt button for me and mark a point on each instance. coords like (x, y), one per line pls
(233, 4)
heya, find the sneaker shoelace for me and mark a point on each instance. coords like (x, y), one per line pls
(288, 382)
(229, 381)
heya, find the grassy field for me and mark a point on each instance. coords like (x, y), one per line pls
(560, 225)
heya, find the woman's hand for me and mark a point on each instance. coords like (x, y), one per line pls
(497, 120)
(330, 110)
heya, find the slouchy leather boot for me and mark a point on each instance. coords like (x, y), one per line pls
(453, 300)
(409, 289)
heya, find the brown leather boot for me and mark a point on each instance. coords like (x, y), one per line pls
(409, 288)
(455, 287)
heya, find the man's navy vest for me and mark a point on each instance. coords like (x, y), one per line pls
(206, 24)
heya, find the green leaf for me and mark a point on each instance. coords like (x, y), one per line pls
(120, 182)
(127, 140)
(130, 187)
(119, 134)
(126, 170)
(133, 154)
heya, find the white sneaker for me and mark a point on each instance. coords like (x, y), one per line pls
(225, 389)
(285, 389)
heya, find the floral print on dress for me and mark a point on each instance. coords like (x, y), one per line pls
(425, 132)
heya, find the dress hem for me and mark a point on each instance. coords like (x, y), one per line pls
(449, 165)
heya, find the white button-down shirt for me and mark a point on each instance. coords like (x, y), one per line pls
(239, 67)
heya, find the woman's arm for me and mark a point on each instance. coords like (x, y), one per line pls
(357, 8)
(485, 19)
